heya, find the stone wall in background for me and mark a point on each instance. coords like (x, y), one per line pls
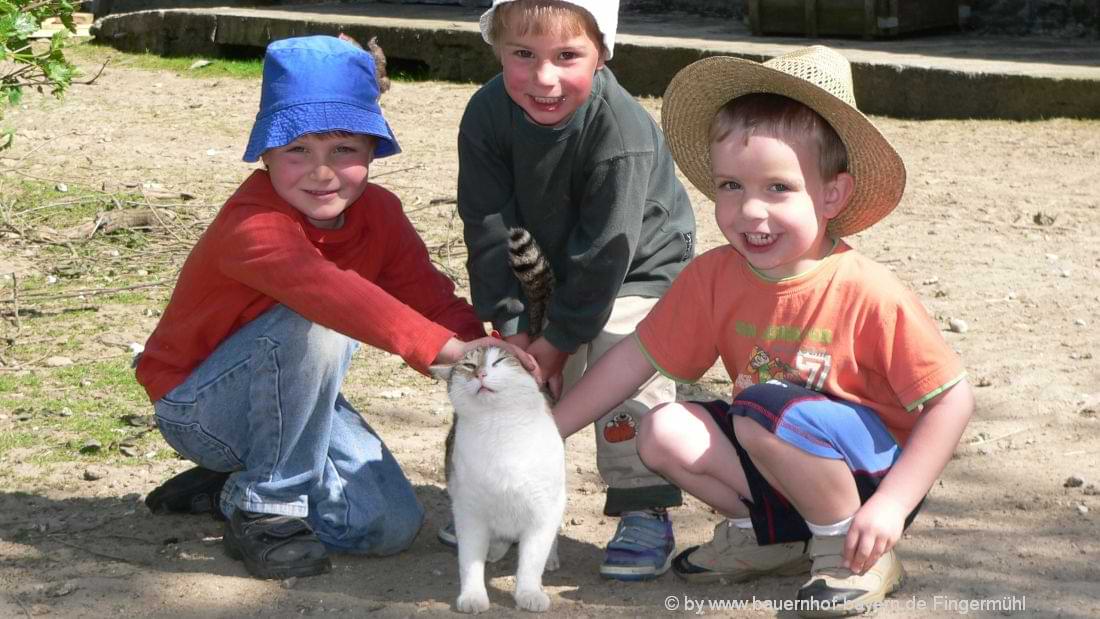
(1072, 18)
(1062, 18)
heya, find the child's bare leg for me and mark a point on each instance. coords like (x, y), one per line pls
(823, 490)
(682, 442)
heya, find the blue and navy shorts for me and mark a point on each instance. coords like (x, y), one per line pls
(820, 426)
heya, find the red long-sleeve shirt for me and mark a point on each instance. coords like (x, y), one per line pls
(371, 280)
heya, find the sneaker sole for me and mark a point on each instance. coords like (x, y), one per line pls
(866, 605)
(634, 574)
(260, 570)
(447, 540)
(799, 568)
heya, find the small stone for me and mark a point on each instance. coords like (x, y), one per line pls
(576, 521)
(958, 325)
(1080, 322)
(60, 589)
(61, 187)
(392, 394)
(1091, 490)
(94, 474)
(1073, 481)
(65, 412)
(198, 64)
(289, 582)
(1043, 219)
(58, 362)
(91, 446)
(1082, 509)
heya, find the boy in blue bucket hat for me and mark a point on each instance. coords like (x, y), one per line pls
(305, 260)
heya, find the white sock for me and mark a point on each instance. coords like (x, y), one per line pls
(742, 523)
(830, 530)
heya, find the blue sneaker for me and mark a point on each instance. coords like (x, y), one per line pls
(641, 548)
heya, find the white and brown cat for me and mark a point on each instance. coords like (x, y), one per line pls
(505, 475)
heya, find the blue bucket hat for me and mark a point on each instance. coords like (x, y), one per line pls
(314, 85)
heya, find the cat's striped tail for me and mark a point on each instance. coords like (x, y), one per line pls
(535, 276)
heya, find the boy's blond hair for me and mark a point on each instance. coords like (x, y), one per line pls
(786, 119)
(540, 17)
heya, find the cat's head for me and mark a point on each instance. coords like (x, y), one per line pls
(486, 375)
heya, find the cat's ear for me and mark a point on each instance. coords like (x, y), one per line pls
(441, 372)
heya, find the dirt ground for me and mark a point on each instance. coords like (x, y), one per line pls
(999, 227)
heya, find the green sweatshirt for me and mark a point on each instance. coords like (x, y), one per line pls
(599, 194)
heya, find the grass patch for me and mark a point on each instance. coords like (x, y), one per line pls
(88, 52)
(54, 415)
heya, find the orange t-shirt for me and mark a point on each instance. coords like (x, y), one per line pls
(847, 328)
(371, 279)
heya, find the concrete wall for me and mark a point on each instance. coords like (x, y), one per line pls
(1070, 18)
(1065, 18)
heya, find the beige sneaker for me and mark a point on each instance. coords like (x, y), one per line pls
(834, 591)
(735, 556)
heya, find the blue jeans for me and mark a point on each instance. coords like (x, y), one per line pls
(266, 406)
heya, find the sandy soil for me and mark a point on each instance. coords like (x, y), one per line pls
(999, 227)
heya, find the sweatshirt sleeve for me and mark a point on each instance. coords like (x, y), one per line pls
(267, 251)
(600, 250)
(409, 275)
(486, 204)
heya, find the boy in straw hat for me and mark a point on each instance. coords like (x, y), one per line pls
(847, 402)
(555, 145)
(304, 261)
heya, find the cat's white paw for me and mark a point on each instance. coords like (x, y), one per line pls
(534, 600)
(497, 549)
(474, 602)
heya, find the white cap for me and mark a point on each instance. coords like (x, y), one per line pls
(605, 12)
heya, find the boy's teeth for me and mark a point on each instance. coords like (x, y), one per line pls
(758, 239)
(548, 100)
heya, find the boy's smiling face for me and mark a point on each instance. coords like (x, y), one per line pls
(772, 203)
(550, 74)
(320, 175)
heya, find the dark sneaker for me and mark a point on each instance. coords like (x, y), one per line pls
(273, 546)
(641, 548)
(734, 555)
(446, 535)
(835, 591)
(194, 491)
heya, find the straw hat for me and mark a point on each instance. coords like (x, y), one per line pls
(816, 76)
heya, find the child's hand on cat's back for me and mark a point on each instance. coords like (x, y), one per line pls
(455, 349)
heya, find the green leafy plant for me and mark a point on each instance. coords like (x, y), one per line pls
(23, 63)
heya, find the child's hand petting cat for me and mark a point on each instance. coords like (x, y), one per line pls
(551, 361)
(455, 349)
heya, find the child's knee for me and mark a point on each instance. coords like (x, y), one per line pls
(309, 342)
(388, 534)
(659, 434)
